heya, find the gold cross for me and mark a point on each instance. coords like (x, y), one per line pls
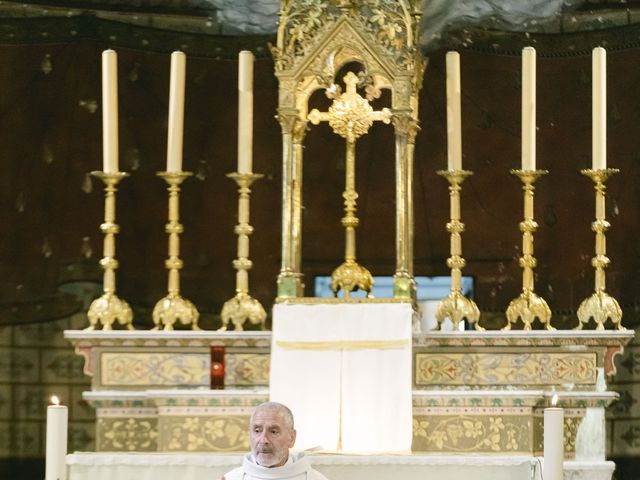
(350, 115)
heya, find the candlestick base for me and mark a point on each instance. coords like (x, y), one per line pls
(457, 307)
(351, 276)
(241, 308)
(527, 307)
(173, 308)
(106, 310)
(600, 306)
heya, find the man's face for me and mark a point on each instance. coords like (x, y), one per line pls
(270, 437)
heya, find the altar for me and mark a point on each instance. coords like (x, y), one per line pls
(473, 393)
(335, 467)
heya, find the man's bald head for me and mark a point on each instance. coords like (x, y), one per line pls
(287, 415)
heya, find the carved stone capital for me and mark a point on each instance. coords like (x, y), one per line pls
(289, 120)
(299, 130)
(404, 124)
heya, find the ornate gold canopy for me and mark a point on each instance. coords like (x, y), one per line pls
(316, 38)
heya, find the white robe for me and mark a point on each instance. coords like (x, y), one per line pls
(297, 467)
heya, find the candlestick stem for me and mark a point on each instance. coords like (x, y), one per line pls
(173, 307)
(108, 308)
(600, 305)
(350, 275)
(243, 307)
(456, 306)
(528, 305)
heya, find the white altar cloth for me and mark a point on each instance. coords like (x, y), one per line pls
(188, 466)
(158, 466)
(345, 372)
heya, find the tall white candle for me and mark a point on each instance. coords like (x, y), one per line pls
(553, 443)
(599, 108)
(56, 448)
(176, 112)
(110, 111)
(528, 108)
(454, 116)
(245, 111)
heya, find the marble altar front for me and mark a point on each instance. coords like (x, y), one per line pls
(473, 392)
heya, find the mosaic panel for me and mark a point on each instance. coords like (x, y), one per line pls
(226, 404)
(229, 433)
(62, 366)
(82, 436)
(628, 365)
(127, 434)
(245, 369)
(79, 407)
(157, 369)
(527, 369)
(572, 420)
(19, 365)
(5, 336)
(6, 435)
(6, 395)
(467, 400)
(496, 432)
(21, 439)
(628, 405)
(626, 437)
(30, 401)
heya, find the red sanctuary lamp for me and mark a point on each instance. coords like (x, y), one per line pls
(217, 368)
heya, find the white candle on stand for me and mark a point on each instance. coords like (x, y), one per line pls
(599, 108)
(176, 112)
(110, 111)
(553, 442)
(528, 108)
(454, 116)
(245, 111)
(56, 447)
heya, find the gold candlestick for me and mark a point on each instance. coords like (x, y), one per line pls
(600, 306)
(108, 308)
(243, 307)
(456, 306)
(528, 305)
(173, 306)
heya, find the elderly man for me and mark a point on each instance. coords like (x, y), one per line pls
(271, 435)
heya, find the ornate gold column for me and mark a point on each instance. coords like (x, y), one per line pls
(290, 276)
(406, 127)
(299, 130)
